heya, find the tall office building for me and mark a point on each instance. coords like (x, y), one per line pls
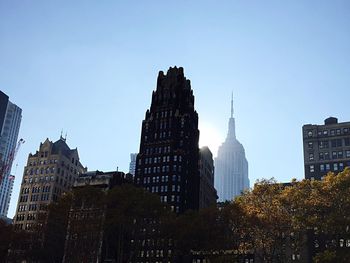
(168, 160)
(10, 120)
(167, 163)
(49, 172)
(132, 165)
(326, 148)
(231, 165)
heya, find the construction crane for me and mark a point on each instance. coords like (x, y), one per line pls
(7, 163)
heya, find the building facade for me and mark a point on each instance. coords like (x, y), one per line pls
(10, 120)
(132, 165)
(326, 148)
(86, 239)
(167, 163)
(49, 173)
(231, 165)
(207, 192)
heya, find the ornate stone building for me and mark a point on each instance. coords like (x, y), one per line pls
(49, 172)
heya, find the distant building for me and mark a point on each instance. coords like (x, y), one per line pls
(326, 148)
(49, 172)
(10, 120)
(207, 192)
(132, 166)
(231, 165)
(90, 243)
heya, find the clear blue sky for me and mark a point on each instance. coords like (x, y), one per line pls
(89, 68)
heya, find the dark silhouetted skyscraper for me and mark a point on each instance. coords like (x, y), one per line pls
(167, 163)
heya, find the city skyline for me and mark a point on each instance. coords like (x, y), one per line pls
(97, 63)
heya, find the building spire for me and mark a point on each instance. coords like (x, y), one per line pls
(231, 124)
(232, 104)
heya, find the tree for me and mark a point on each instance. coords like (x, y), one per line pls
(267, 222)
(129, 211)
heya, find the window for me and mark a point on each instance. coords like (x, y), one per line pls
(341, 166)
(334, 155)
(328, 167)
(340, 154)
(338, 131)
(347, 154)
(334, 143)
(339, 143)
(309, 133)
(311, 156)
(347, 141)
(326, 155)
(332, 132)
(325, 132)
(335, 167)
(321, 167)
(321, 157)
(346, 130)
(310, 145)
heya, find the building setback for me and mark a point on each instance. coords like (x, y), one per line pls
(49, 172)
(231, 165)
(326, 148)
(10, 120)
(167, 163)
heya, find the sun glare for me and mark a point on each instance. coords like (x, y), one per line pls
(210, 136)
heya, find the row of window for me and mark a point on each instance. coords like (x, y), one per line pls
(42, 162)
(21, 217)
(342, 243)
(158, 169)
(173, 198)
(38, 171)
(32, 207)
(162, 135)
(331, 132)
(163, 188)
(327, 167)
(164, 178)
(160, 159)
(157, 150)
(38, 179)
(154, 253)
(326, 156)
(335, 143)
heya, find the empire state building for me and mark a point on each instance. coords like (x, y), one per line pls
(231, 165)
